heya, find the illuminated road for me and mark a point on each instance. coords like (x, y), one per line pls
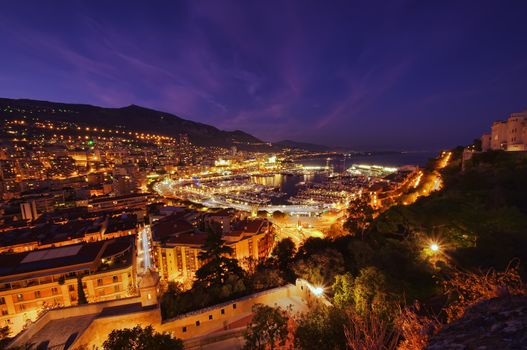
(144, 260)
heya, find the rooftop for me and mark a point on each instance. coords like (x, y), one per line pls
(63, 259)
(169, 227)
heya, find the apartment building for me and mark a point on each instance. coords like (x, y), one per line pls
(32, 282)
(177, 243)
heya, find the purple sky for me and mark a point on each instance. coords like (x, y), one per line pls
(415, 75)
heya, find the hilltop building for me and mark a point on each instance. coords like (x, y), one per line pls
(507, 135)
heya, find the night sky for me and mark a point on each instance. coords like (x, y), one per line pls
(413, 75)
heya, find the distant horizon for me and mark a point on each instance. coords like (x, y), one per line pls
(347, 148)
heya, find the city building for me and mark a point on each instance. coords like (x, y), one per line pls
(140, 201)
(29, 210)
(177, 244)
(32, 282)
(250, 239)
(508, 135)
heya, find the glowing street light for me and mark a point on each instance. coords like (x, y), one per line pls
(434, 247)
(318, 291)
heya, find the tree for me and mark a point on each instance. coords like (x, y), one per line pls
(139, 338)
(360, 216)
(343, 290)
(214, 247)
(218, 266)
(369, 291)
(267, 329)
(320, 268)
(265, 277)
(321, 328)
(81, 295)
(284, 253)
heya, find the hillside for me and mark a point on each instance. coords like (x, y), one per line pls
(499, 323)
(131, 117)
(480, 216)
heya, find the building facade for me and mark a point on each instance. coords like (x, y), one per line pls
(177, 244)
(508, 135)
(35, 281)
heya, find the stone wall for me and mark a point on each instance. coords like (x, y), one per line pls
(67, 312)
(217, 319)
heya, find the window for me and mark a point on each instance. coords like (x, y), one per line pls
(54, 291)
(20, 297)
(2, 300)
(184, 329)
(197, 323)
(234, 306)
(116, 288)
(37, 294)
(210, 317)
(4, 312)
(71, 288)
(223, 311)
(115, 279)
(99, 282)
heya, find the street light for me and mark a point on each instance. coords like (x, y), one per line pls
(318, 291)
(434, 247)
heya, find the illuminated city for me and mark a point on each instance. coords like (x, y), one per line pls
(268, 176)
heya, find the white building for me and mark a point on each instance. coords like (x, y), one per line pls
(508, 135)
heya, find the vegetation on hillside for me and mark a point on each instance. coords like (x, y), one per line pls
(403, 275)
(139, 338)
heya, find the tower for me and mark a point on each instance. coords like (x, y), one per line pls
(149, 288)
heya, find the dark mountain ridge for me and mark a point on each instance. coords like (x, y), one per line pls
(132, 117)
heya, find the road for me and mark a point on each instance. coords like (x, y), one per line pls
(144, 260)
